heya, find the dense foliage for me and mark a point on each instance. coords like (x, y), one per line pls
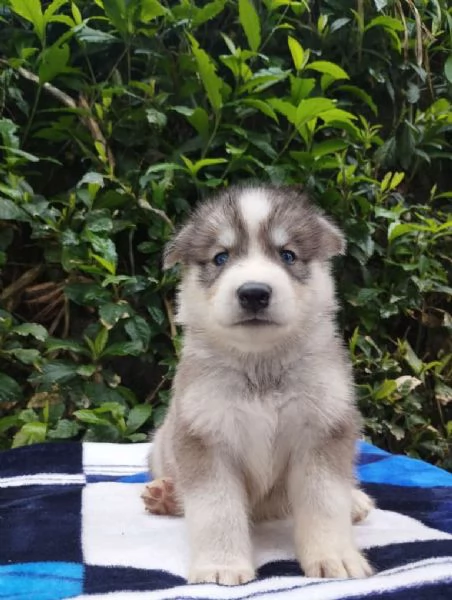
(118, 115)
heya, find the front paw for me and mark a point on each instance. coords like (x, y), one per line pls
(222, 574)
(336, 564)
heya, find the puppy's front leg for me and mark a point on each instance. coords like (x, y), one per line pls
(321, 496)
(216, 513)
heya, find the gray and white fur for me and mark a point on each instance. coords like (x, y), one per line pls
(262, 422)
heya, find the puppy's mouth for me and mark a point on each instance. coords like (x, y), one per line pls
(255, 322)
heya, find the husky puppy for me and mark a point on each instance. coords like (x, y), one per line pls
(262, 422)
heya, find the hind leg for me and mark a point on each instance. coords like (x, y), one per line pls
(160, 498)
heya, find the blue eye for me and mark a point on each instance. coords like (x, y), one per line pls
(221, 258)
(288, 256)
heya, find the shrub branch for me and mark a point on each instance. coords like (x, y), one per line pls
(86, 118)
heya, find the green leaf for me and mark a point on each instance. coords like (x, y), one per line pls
(139, 331)
(103, 246)
(99, 394)
(285, 108)
(87, 294)
(209, 11)
(106, 264)
(380, 4)
(10, 390)
(53, 62)
(116, 409)
(111, 313)
(32, 12)
(328, 147)
(386, 22)
(385, 389)
(396, 230)
(150, 10)
(27, 356)
(88, 416)
(207, 72)
(396, 180)
(56, 371)
(324, 66)
(137, 417)
(30, 433)
(64, 430)
(199, 119)
(8, 422)
(141, 437)
(100, 341)
(207, 162)
(88, 35)
(116, 11)
(310, 108)
(297, 52)
(155, 117)
(92, 178)
(86, 371)
(443, 393)
(9, 211)
(413, 93)
(34, 329)
(249, 20)
(262, 106)
(448, 68)
(362, 95)
(53, 7)
(76, 14)
(411, 357)
(124, 349)
(157, 314)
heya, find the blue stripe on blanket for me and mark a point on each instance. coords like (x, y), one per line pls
(429, 591)
(42, 526)
(381, 557)
(109, 579)
(42, 458)
(40, 522)
(41, 581)
(142, 477)
(431, 506)
(404, 471)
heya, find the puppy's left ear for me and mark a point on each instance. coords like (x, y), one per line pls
(177, 248)
(332, 240)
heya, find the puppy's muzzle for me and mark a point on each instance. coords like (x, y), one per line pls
(254, 296)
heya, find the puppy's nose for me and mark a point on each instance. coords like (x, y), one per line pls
(254, 296)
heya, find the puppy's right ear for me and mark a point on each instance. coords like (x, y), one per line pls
(177, 248)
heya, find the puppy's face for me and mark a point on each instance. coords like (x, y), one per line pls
(250, 259)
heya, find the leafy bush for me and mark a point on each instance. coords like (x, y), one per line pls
(119, 115)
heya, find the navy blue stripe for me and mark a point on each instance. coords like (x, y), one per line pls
(366, 459)
(111, 579)
(382, 558)
(415, 592)
(431, 506)
(42, 458)
(428, 591)
(41, 523)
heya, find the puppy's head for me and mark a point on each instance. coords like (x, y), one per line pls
(254, 265)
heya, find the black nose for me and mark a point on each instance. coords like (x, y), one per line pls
(254, 296)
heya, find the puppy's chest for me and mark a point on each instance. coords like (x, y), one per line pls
(261, 440)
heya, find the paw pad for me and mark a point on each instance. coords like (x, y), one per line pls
(160, 499)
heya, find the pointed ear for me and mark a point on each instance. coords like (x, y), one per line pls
(176, 249)
(332, 240)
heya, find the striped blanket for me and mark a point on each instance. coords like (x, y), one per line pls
(72, 525)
